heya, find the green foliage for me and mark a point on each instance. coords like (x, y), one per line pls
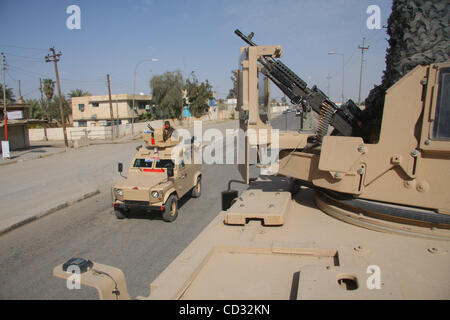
(35, 111)
(49, 88)
(53, 109)
(147, 116)
(198, 95)
(9, 94)
(78, 93)
(232, 94)
(167, 93)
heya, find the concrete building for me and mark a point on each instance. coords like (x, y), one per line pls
(17, 124)
(89, 111)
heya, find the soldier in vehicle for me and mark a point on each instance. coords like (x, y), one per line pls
(167, 131)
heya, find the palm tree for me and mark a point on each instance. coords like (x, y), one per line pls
(9, 94)
(78, 93)
(49, 90)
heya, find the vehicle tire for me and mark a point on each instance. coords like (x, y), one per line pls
(197, 190)
(120, 214)
(170, 209)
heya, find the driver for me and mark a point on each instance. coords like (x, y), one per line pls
(167, 131)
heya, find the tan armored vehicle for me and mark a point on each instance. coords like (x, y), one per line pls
(343, 218)
(156, 180)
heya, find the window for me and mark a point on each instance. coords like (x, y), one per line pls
(81, 107)
(82, 123)
(95, 104)
(164, 163)
(441, 125)
(143, 163)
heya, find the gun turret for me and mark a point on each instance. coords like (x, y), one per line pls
(344, 119)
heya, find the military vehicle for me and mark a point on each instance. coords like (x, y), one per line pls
(155, 181)
(344, 218)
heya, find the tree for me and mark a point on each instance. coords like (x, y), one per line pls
(9, 94)
(53, 110)
(78, 93)
(418, 35)
(283, 101)
(49, 90)
(198, 95)
(35, 111)
(167, 94)
(232, 94)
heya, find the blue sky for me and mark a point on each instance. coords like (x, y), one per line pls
(189, 35)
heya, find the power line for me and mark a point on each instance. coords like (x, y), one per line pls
(19, 47)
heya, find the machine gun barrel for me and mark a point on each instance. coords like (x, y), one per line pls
(344, 119)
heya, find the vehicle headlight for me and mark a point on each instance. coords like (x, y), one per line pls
(155, 194)
(119, 192)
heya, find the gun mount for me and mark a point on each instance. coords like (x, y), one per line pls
(344, 119)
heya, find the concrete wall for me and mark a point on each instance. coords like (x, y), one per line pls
(17, 136)
(103, 133)
(93, 133)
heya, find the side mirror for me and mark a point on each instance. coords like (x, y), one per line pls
(120, 167)
(170, 172)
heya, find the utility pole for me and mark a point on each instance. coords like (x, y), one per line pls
(110, 107)
(5, 143)
(42, 107)
(20, 91)
(362, 63)
(54, 57)
(5, 113)
(328, 87)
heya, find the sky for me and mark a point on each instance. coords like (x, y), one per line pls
(188, 35)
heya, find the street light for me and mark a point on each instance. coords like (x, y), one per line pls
(134, 90)
(343, 77)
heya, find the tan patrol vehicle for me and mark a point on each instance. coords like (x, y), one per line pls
(156, 180)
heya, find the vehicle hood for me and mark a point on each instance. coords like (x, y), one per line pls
(142, 180)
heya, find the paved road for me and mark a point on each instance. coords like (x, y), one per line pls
(30, 187)
(141, 246)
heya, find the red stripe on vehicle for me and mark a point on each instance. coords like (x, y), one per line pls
(153, 170)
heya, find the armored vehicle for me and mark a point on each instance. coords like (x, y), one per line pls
(344, 217)
(158, 177)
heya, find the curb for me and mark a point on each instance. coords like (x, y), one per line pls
(49, 211)
(38, 157)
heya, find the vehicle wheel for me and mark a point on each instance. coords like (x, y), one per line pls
(197, 190)
(120, 214)
(170, 209)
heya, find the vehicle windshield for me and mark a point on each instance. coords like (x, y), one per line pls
(143, 163)
(165, 163)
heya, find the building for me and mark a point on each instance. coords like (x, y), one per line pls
(91, 111)
(17, 124)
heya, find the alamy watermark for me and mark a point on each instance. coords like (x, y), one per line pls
(74, 20)
(228, 149)
(374, 19)
(374, 280)
(74, 280)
